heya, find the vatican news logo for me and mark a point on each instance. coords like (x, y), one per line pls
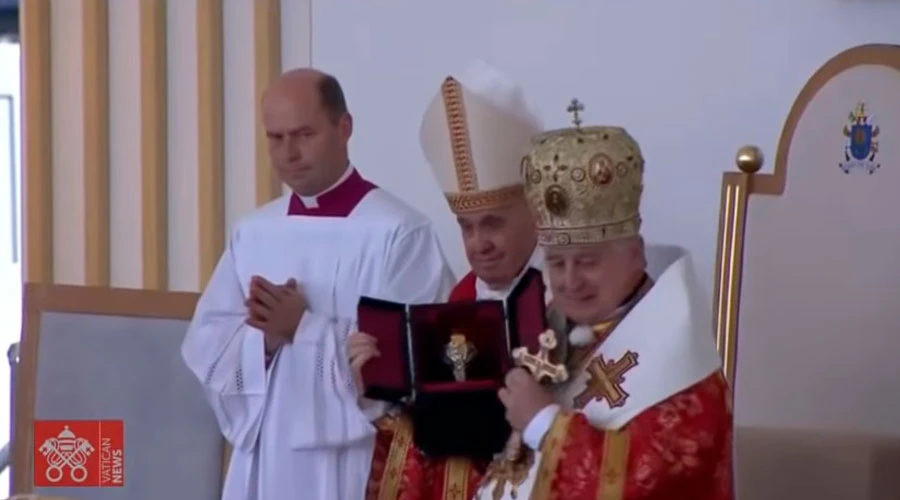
(89, 453)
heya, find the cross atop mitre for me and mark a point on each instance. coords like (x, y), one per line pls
(539, 364)
(574, 108)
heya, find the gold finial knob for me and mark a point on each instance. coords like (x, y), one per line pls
(749, 159)
(575, 107)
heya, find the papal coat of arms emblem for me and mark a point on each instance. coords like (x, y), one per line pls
(862, 146)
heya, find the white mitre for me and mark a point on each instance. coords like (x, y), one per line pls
(474, 135)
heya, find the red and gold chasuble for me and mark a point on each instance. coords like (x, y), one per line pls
(678, 449)
(401, 472)
(645, 414)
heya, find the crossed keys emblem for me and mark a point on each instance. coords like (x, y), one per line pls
(66, 450)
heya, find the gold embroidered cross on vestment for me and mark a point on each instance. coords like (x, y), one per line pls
(606, 379)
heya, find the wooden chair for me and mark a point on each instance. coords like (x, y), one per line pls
(807, 295)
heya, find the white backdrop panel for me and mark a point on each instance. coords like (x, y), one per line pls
(692, 82)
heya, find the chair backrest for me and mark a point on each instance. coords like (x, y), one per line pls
(100, 380)
(809, 270)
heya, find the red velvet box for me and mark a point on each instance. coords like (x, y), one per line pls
(450, 417)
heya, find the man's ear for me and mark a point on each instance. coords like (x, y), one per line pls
(345, 125)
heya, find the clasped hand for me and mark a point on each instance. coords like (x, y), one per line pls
(275, 309)
(523, 398)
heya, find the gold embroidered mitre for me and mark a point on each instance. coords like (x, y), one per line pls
(474, 134)
(584, 183)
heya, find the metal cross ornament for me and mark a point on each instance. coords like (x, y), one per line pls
(540, 367)
(539, 364)
(575, 107)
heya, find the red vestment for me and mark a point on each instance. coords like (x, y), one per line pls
(400, 472)
(677, 449)
(465, 289)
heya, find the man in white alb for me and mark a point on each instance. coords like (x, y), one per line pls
(268, 337)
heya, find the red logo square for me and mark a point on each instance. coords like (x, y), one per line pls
(79, 453)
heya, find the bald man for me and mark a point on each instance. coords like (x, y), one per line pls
(268, 337)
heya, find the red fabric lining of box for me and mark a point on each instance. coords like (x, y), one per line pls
(530, 320)
(468, 385)
(386, 322)
(482, 323)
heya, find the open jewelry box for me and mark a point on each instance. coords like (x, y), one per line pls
(450, 416)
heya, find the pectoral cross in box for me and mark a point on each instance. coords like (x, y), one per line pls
(606, 379)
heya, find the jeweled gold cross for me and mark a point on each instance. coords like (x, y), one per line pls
(458, 353)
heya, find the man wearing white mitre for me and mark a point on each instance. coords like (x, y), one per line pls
(267, 341)
(473, 133)
(645, 413)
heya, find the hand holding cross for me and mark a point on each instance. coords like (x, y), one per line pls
(540, 367)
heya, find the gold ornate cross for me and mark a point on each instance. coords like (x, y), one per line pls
(539, 364)
(515, 462)
(575, 107)
(606, 379)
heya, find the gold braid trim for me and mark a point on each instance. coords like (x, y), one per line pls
(474, 201)
(551, 452)
(611, 484)
(457, 125)
(396, 459)
(456, 479)
(548, 235)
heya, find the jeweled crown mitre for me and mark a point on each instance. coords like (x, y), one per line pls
(584, 183)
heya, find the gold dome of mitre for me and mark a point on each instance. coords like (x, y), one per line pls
(584, 183)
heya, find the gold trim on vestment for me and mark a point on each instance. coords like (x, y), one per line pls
(505, 472)
(551, 453)
(613, 468)
(456, 479)
(460, 144)
(396, 459)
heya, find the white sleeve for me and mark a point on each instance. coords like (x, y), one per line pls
(227, 356)
(322, 388)
(415, 272)
(538, 426)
